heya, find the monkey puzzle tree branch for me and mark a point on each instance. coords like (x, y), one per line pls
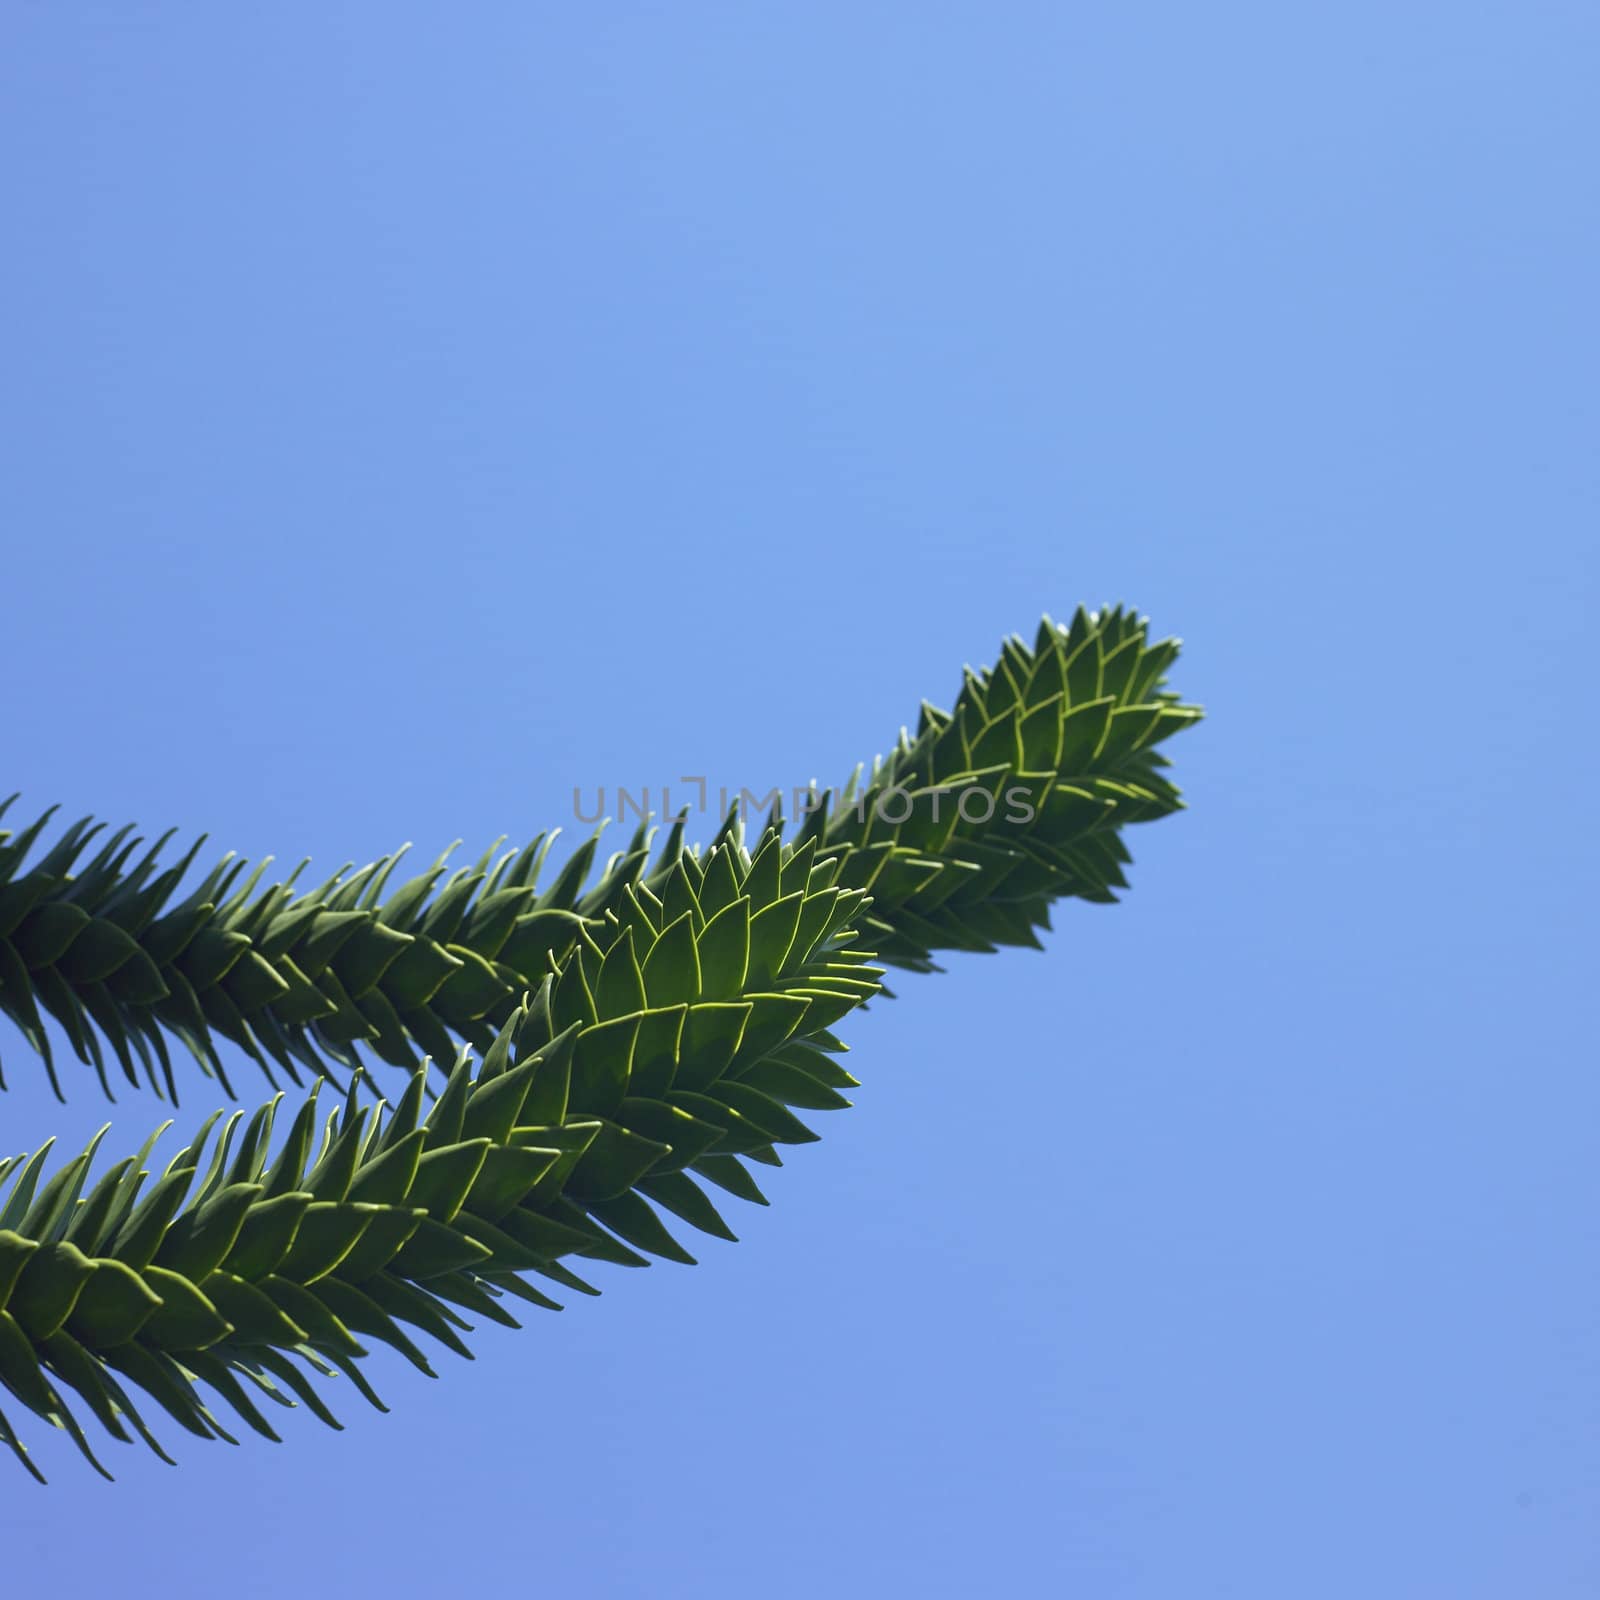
(656, 1030)
(668, 1055)
(964, 835)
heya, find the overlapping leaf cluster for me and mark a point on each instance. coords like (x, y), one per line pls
(1016, 797)
(1064, 731)
(641, 1036)
(106, 947)
(672, 1053)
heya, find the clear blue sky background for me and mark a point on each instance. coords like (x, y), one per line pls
(409, 413)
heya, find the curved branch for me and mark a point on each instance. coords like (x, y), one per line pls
(652, 1033)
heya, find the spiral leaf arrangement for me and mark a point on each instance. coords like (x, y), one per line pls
(638, 1040)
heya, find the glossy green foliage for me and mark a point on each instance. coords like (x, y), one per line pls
(641, 1038)
(1017, 796)
(665, 1055)
(963, 836)
(296, 979)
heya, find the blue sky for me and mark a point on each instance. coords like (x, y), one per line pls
(409, 416)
